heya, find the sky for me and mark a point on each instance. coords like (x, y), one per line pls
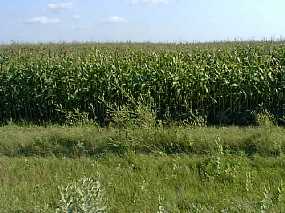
(140, 20)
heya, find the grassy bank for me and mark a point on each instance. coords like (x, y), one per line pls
(91, 141)
(176, 169)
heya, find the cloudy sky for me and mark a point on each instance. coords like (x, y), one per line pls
(140, 20)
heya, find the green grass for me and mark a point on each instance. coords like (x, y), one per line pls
(90, 141)
(134, 183)
(179, 169)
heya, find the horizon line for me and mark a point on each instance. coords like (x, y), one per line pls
(237, 40)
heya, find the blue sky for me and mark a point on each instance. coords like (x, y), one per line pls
(140, 20)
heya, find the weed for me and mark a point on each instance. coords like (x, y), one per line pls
(84, 196)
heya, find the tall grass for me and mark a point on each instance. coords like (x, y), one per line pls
(88, 141)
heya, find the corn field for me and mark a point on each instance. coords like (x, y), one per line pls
(224, 83)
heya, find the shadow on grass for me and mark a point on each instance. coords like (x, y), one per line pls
(151, 141)
(59, 146)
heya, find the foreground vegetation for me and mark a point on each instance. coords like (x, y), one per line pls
(155, 169)
(139, 183)
(228, 83)
(159, 150)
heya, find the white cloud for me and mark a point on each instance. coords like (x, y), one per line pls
(149, 2)
(116, 19)
(42, 20)
(76, 16)
(60, 6)
(79, 27)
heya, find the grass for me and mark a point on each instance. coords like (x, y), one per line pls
(135, 183)
(175, 169)
(91, 141)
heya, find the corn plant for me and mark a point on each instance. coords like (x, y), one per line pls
(224, 83)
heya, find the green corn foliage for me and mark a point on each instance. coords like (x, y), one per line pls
(222, 82)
